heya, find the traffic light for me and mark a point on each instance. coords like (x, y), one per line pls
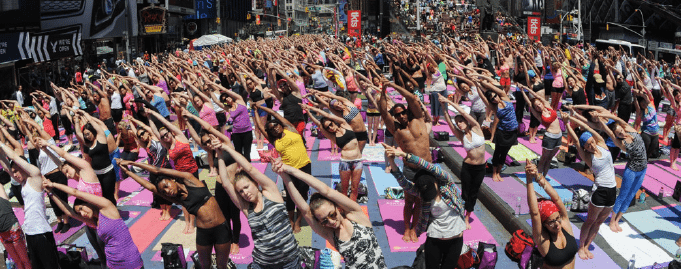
(607, 27)
(248, 16)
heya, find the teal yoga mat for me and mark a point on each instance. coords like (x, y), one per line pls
(655, 227)
(381, 179)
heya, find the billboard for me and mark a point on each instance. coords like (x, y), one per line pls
(153, 20)
(354, 23)
(186, 7)
(42, 46)
(342, 11)
(20, 15)
(205, 9)
(534, 28)
(532, 7)
(552, 14)
(96, 19)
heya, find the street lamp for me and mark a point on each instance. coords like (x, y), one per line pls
(643, 22)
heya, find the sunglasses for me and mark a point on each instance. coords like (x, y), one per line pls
(404, 112)
(141, 133)
(331, 215)
(328, 125)
(554, 223)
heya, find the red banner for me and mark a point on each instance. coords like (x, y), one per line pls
(534, 28)
(354, 23)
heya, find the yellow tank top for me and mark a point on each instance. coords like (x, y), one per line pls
(292, 149)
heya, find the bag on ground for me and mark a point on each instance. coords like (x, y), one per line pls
(515, 247)
(580, 200)
(488, 255)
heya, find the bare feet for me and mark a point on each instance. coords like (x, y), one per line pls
(589, 254)
(188, 230)
(414, 237)
(582, 254)
(234, 249)
(296, 228)
(407, 236)
(673, 166)
(164, 216)
(613, 226)
(497, 178)
(213, 173)
(468, 225)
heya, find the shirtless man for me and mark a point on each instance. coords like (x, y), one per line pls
(412, 135)
(101, 99)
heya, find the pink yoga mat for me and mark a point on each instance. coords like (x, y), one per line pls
(148, 227)
(143, 198)
(659, 173)
(509, 190)
(536, 147)
(245, 246)
(393, 222)
(260, 166)
(325, 151)
(664, 164)
(649, 183)
(443, 127)
(477, 233)
(76, 225)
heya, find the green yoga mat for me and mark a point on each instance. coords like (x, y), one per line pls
(519, 152)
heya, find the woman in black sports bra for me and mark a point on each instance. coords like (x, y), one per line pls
(185, 189)
(551, 228)
(339, 132)
(342, 107)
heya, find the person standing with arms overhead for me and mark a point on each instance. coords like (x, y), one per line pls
(412, 135)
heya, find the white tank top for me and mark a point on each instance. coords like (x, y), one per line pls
(477, 141)
(446, 222)
(603, 169)
(35, 219)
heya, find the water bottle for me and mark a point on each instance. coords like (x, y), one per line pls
(661, 194)
(9, 263)
(518, 206)
(642, 198)
(632, 262)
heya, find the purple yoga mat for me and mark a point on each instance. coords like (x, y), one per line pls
(536, 147)
(443, 128)
(325, 151)
(649, 183)
(570, 178)
(664, 164)
(143, 198)
(76, 225)
(393, 221)
(509, 190)
(600, 260)
(662, 175)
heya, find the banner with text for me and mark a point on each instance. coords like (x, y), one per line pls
(534, 28)
(354, 23)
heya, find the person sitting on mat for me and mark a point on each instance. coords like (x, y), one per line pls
(468, 131)
(185, 189)
(339, 132)
(442, 213)
(595, 154)
(336, 218)
(99, 213)
(551, 227)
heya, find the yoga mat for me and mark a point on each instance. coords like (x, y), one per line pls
(477, 233)
(650, 184)
(536, 147)
(381, 179)
(601, 259)
(443, 127)
(671, 213)
(663, 232)
(373, 154)
(560, 189)
(148, 227)
(83, 241)
(304, 237)
(325, 151)
(664, 164)
(393, 222)
(518, 152)
(127, 187)
(510, 190)
(662, 175)
(76, 225)
(143, 198)
(458, 147)
(570, 179)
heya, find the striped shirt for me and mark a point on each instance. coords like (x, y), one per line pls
(273, 241)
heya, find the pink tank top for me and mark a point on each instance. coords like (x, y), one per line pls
(91, 188)
(208, 114)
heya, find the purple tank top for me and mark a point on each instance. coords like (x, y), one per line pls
(241, 122)
(121, 252)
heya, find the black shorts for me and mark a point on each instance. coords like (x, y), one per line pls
(222, 118)
(559, 90)
(221, 234)
(675, 142)
(117, 114)
(362, 136)
(550, 143)
(604, 197)
(301, 186)
(373, 114)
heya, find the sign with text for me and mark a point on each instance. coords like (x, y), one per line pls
(534, 27)
(354, 23)
(153, 20)
(205, 9)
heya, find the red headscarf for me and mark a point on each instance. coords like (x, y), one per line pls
(546, 208)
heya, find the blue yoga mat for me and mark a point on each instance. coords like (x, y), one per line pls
(671, 214)
(335, 175)
(381, 179)
(570, 179)
(655, 227)
(560, 189)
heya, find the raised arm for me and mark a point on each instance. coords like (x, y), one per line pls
(179, 135)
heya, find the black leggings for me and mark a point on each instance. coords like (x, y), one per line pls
(242, 143)
(230, 211)
(624, 112)
(519, 105)
(652, 144)
(96, 243)
(55, 124)
(42, 251)
(471, 179)
(442, 254)
(16, 189)
(58, 177)
(68, 127)
(108, 182)
(657, 98)
(500, 154)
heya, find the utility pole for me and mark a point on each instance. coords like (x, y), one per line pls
(128, 34)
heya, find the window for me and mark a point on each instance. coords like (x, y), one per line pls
(7, 5)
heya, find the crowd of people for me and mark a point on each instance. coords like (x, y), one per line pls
(225, 98)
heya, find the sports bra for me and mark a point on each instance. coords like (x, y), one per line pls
(345, 139)
(350, 116)
(477, 140)
(546, 121)
(196, 198)
(559, 257)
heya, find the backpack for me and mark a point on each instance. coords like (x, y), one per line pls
(420, 260)
(488, 255)
(580, 201)
(515, 247)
